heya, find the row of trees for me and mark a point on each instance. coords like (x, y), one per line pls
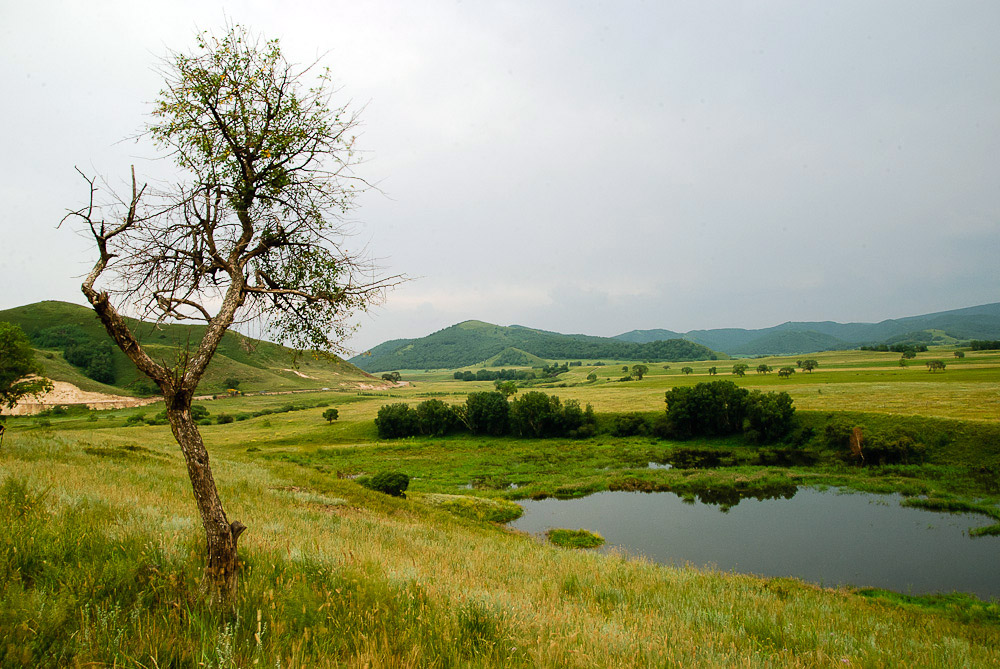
(493, 375)
(899, 347)
(533, 414)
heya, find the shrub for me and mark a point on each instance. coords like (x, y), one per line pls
(721, 408)
(706, 409)
(577, 422)
(223, 419)
(901, 450)
(629, 425)
(389, 483)
(536, 414)
(769, 416)
(487, 413)
(435, 418)
(137, 419)
(396, 420)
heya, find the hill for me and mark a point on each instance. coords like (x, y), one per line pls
(257, 364)
(476, 342)
(979, 322)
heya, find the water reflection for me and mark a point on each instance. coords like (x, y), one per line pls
(824, 537)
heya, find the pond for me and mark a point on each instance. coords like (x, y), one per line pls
(825, 537)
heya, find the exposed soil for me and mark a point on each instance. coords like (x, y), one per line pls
(66, 394)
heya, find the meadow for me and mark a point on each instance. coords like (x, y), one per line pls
(102, 560)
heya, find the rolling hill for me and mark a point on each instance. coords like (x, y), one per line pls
(979, 322)
(476, 342)
(257, 364)
(479, 343)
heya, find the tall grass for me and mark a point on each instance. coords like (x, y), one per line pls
(101, 561)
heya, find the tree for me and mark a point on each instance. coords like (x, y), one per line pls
(959, 354)
(639, 371)
(435, 418)
(254, 229)
(687, 370)
(909, 354)
(712, 371)
(764, 368)
(935, 365)
(505, 388)
(391, 377)
(786, 372)
(231, 383)
(740, 369)
(486, 413)
(17, 361)
(331, 415)
(808, 365)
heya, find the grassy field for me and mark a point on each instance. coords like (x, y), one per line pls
(101, 563)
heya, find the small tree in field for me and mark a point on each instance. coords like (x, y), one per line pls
(331, 415)
(506, 388)
(639, 371)
(253, 229)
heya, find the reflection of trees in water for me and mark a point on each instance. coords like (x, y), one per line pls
(727, 495)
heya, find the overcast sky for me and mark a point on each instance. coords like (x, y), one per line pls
(591, 167)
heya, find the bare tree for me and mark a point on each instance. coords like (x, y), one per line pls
(255, 230)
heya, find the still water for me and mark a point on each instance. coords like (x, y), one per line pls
(828, 538)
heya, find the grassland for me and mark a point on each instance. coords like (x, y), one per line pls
(102, 559)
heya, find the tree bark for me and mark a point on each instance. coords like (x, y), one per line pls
(221, 535)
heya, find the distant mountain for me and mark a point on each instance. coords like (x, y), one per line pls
(791, 341)
(476, 342)
(258, 365)
(980, 322)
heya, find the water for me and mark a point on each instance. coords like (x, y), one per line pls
(824, 537)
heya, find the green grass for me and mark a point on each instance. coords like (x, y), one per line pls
(102, 553)
(574, 538)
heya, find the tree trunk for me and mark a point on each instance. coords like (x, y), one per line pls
(221, 535)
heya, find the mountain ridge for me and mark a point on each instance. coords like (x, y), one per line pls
(476, 342)
(975, 322)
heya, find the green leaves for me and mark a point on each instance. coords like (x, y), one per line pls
(17, 360)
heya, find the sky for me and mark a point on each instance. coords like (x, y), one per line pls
(582, 167)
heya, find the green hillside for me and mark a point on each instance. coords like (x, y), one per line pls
(791, 342)
(476, 342)
(979, 322)
(257, 364)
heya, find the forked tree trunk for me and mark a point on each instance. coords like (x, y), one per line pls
(221, 535)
